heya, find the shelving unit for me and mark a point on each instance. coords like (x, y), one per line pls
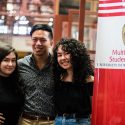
(65, 15)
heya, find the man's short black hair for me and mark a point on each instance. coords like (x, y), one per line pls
(44, 27)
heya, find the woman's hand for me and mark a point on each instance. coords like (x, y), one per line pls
(1, 119)
(90, 79)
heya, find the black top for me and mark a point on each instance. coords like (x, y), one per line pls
(10, 101)
(73, 98)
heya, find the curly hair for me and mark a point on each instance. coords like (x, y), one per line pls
(80, 60)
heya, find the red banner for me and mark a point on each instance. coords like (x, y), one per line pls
(108, 105)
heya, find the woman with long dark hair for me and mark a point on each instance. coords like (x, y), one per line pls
(11, 96)
(73, 76)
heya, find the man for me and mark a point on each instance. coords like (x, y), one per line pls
(37, 79)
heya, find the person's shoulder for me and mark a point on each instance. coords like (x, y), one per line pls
(90, 79)
(24, 59)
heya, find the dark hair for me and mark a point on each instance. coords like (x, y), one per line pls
(6, 49)
(80, 59)
(44, 27)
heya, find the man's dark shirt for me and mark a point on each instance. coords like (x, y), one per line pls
(38, 87)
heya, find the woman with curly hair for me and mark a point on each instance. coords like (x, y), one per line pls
(11, 97)
(73, 76)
